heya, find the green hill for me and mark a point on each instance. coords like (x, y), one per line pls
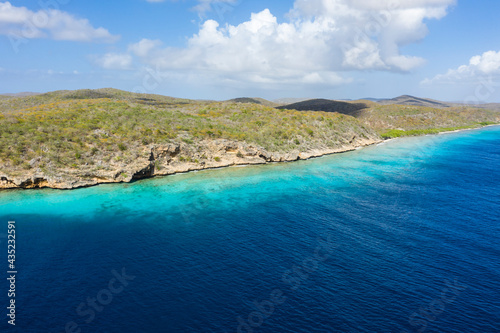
(78, 138)
(68, 139)
(414, 117)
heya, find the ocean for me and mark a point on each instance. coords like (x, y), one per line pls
(399, 237)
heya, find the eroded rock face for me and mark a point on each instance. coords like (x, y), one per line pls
(147, 172)
(160, 160)
(165, 151)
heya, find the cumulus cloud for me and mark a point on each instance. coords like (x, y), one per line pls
(20, 22)
(480, 66)
(319, 43)
(114, 61)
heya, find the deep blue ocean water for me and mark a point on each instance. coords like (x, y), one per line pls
(399, 237)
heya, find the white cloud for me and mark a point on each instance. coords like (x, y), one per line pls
(114, 61)
(20, 22)
(321, 40)
(479, 67)
(144, 47)
(488, 63)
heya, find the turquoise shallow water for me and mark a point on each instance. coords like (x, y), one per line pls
(399, 237)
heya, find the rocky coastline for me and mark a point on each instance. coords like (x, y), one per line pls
(168, 159)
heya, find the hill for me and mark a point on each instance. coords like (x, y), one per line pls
(289, 100)
(489, 106)
(254, 100)
(394, 120)
(68, 139)
(326, 105)
(406, 120)
(416, 101)
(21, 94)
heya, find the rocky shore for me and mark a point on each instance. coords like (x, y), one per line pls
(162, 160)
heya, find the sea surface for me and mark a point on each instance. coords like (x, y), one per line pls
(399, 237)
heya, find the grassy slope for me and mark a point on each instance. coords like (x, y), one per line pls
(72, 129)
(402, 120)
(66, 128)
(394, 120)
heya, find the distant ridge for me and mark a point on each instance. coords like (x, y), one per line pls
(489, 106)
(371, 99)
(412, 100)
(21, 94)
(289, 100)
(255, 100)
(427, 102)
(327, 105)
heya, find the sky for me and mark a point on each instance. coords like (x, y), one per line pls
(219, 49)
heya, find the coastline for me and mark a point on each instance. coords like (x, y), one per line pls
(147, 167)
(253, 156)
(466, 129)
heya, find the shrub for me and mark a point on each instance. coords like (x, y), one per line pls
(217, 159)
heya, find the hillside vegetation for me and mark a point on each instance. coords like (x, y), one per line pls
(101, 133)
(402, 120)
(415, 117)
(415, 101)
(68, 139)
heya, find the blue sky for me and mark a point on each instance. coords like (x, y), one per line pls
(220, 49)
